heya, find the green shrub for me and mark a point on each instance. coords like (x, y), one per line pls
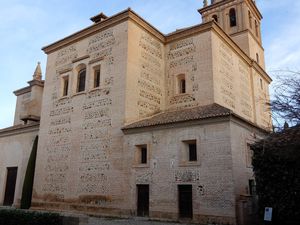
(21, 217)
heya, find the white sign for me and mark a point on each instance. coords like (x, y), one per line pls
(268, 214)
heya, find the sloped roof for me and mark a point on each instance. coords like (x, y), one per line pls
(196, 113)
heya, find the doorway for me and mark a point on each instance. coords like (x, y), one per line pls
(10, 186)
(143, 200)
(185, 200)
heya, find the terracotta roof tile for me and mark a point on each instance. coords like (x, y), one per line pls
(196, 113)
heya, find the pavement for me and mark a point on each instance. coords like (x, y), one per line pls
(133, 221)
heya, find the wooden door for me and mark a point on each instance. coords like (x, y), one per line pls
(185, 201)
(10, 186)
(143, 200)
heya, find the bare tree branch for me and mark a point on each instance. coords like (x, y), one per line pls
(285, 102)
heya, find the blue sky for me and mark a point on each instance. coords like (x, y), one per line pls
(27, 26)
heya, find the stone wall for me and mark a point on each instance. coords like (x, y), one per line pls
(80, 149)
(237, 86)
(190, 57)
(145, 90)
(15, 149)
(168, 167)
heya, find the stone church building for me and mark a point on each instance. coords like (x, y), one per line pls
(133, 122)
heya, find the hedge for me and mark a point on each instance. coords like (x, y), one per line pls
(21, 217)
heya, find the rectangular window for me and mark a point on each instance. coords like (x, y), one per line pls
(97, 77)
(144, 155)
(193, 151)
(65, 86)
(182, 86)
(261, 84)
(256, 28)
(252, 187)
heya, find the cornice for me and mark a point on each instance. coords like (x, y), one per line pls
(183, 33)
(19, 129)
(129, 14)
(22, 91)
(107, 23)
(28, 88)
(133, 16)
(261, 71)
(219, 31)
(255, 9)
(36, 82)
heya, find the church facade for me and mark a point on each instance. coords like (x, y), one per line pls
(133, 122)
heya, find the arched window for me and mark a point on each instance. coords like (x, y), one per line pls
(250, 19)
(81, 80)
(232, 17)
(215, 17)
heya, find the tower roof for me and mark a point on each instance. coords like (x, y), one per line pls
(38, 72)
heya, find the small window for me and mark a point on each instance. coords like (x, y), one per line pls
(182, 86)
(141, 155)
(65, 85)
(215, 17)
(232, 17)
(144, 155)
(250, 19)
(257, 58)
(97, 77)
(261, 84)
(81, 80)
(256, 28)
(181, 83)
(192, 151)
(252, 187)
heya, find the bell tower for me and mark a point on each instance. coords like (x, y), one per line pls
(241, 20)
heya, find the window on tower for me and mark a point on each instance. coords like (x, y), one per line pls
(257, 58)
(256, 28)
(232, 17)
(215, 17)
(250, 19)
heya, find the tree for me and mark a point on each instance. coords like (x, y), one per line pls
(29, 176)
(285, 103)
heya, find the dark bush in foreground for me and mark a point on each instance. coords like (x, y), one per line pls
(20, 217)
(276, 164)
